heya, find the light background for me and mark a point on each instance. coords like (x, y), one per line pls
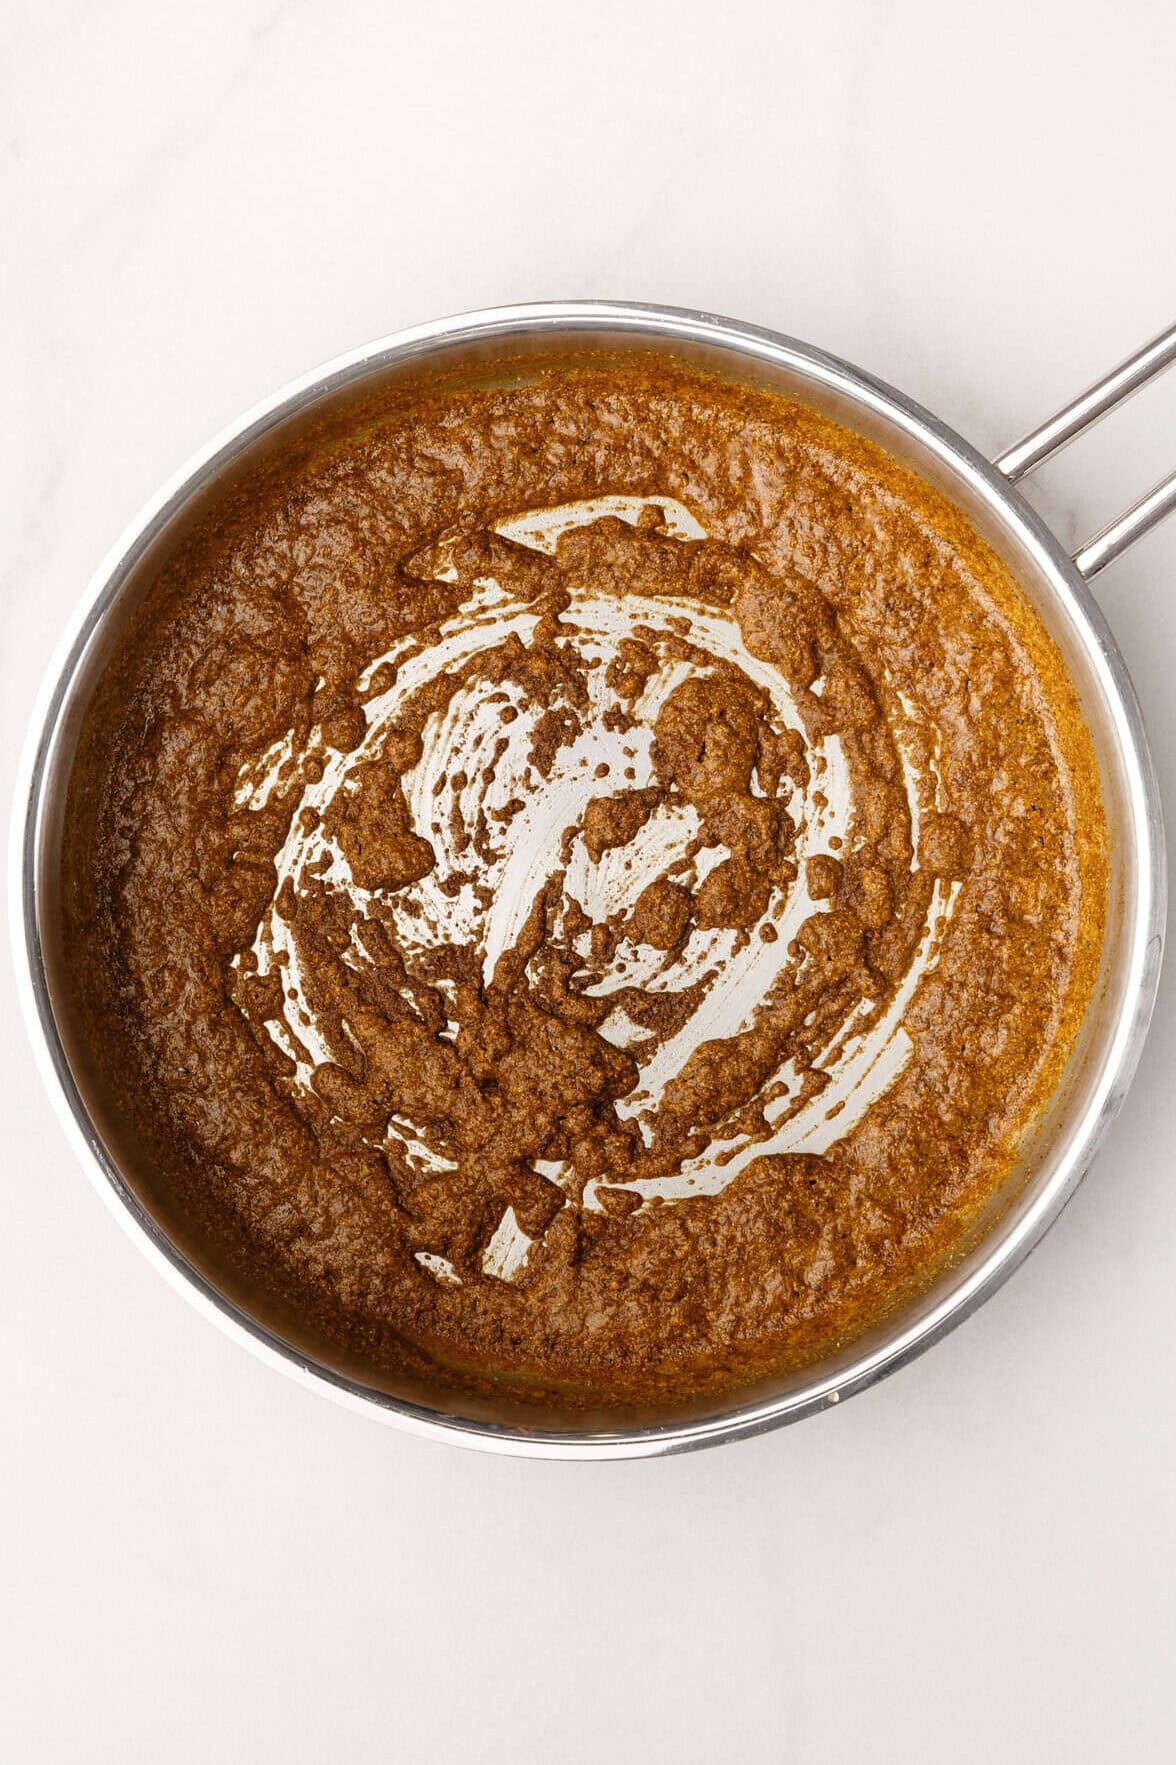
(202, 1562)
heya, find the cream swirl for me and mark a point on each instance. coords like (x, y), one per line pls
(613, 784)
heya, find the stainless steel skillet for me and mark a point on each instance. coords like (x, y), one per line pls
(1055, 582)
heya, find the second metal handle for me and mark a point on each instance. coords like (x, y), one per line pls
(1078, 416)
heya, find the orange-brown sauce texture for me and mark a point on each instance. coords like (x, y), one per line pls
(359, 1191)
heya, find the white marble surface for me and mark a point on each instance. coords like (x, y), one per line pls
(201, 1561)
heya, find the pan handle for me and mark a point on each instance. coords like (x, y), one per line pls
(1079, 415)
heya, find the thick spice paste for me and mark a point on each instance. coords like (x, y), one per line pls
(583, 882)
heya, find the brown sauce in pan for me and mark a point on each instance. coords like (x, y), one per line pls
(584, 882)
